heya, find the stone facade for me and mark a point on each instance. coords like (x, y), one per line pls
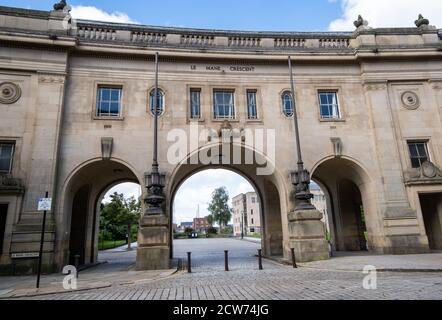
(386, 84)
(246, 214)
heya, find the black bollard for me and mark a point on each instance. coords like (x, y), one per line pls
(77, 264)
(294, 258)
(260, 259)
(226, 260)
(189, 262)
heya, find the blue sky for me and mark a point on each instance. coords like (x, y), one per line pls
(264, 15)
(223, 14)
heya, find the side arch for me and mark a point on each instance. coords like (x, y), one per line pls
(96, 176)
(353, 203)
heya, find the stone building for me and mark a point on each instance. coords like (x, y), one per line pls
(246, 214)
(201, 224)
(76, 102)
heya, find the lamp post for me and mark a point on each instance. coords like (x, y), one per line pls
(155, 181)
(301, 177)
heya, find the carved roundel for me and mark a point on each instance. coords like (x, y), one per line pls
(429, 170)
(9, 93)
(410, 100)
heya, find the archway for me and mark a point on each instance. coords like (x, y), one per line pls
(431, 206)
(268, 188)
(347, 189)
(83, 195)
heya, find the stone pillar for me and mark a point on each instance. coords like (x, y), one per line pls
(153, 243)
(395, 208)
(307, 236)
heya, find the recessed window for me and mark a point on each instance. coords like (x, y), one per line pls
(252, 109)
(418, 153)
(224, 104)
(288, 105)
(195, 103)
(160, 101)
(109, 101)
(329, 105)
(6, 157)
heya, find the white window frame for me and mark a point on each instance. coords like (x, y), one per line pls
(2, 143)
(283, 98)
(192, 115)
(336, 113)
(231, 105)
(163, 101)
(254, 92)
(427, 149)
(99, 100)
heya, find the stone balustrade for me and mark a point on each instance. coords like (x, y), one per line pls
(285, 43)
(197, 40)
(148, 37)
(94, 33)
(244, 42)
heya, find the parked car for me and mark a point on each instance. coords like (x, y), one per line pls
(193, 235)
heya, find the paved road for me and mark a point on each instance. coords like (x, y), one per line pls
(245, 281)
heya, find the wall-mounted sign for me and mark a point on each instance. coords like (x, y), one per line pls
(44, 204)
(23, 255)
(224, 68)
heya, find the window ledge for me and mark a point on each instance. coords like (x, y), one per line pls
(190, 120)
(222, 120)
(332, 120)
(254, 121)
(108, 118)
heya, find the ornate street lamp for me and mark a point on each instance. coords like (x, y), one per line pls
(301, 177)
(155, 181)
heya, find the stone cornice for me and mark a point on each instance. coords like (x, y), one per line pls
(19, 12)
(96, 36)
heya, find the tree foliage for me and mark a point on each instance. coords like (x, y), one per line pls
(119, 215)
(219, 208)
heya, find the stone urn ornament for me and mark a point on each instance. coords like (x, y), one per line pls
(361, 23)
(62, 6)
(422, 22)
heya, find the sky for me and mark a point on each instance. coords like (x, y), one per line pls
(196, 190)
(265, 15)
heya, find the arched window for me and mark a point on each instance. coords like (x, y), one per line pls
(160, 101)
(288, 106)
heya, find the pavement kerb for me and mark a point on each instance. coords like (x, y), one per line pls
(103, 285)
(399, 270)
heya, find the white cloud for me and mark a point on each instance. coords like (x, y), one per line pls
(96, 14)
(128, 189)
(198, 190)
(387, 13)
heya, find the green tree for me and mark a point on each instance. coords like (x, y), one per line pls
(219, 207)
(119, 214)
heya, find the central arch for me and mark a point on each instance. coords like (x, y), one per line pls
(269, 189)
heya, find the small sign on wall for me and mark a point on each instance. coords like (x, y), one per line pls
(23, 255)
(44, 204)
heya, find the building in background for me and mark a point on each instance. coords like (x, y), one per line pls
(201, 225)
(185, 225)
(320, 202)
(246, 214)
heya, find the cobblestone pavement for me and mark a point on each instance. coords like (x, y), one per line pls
(275, 282)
